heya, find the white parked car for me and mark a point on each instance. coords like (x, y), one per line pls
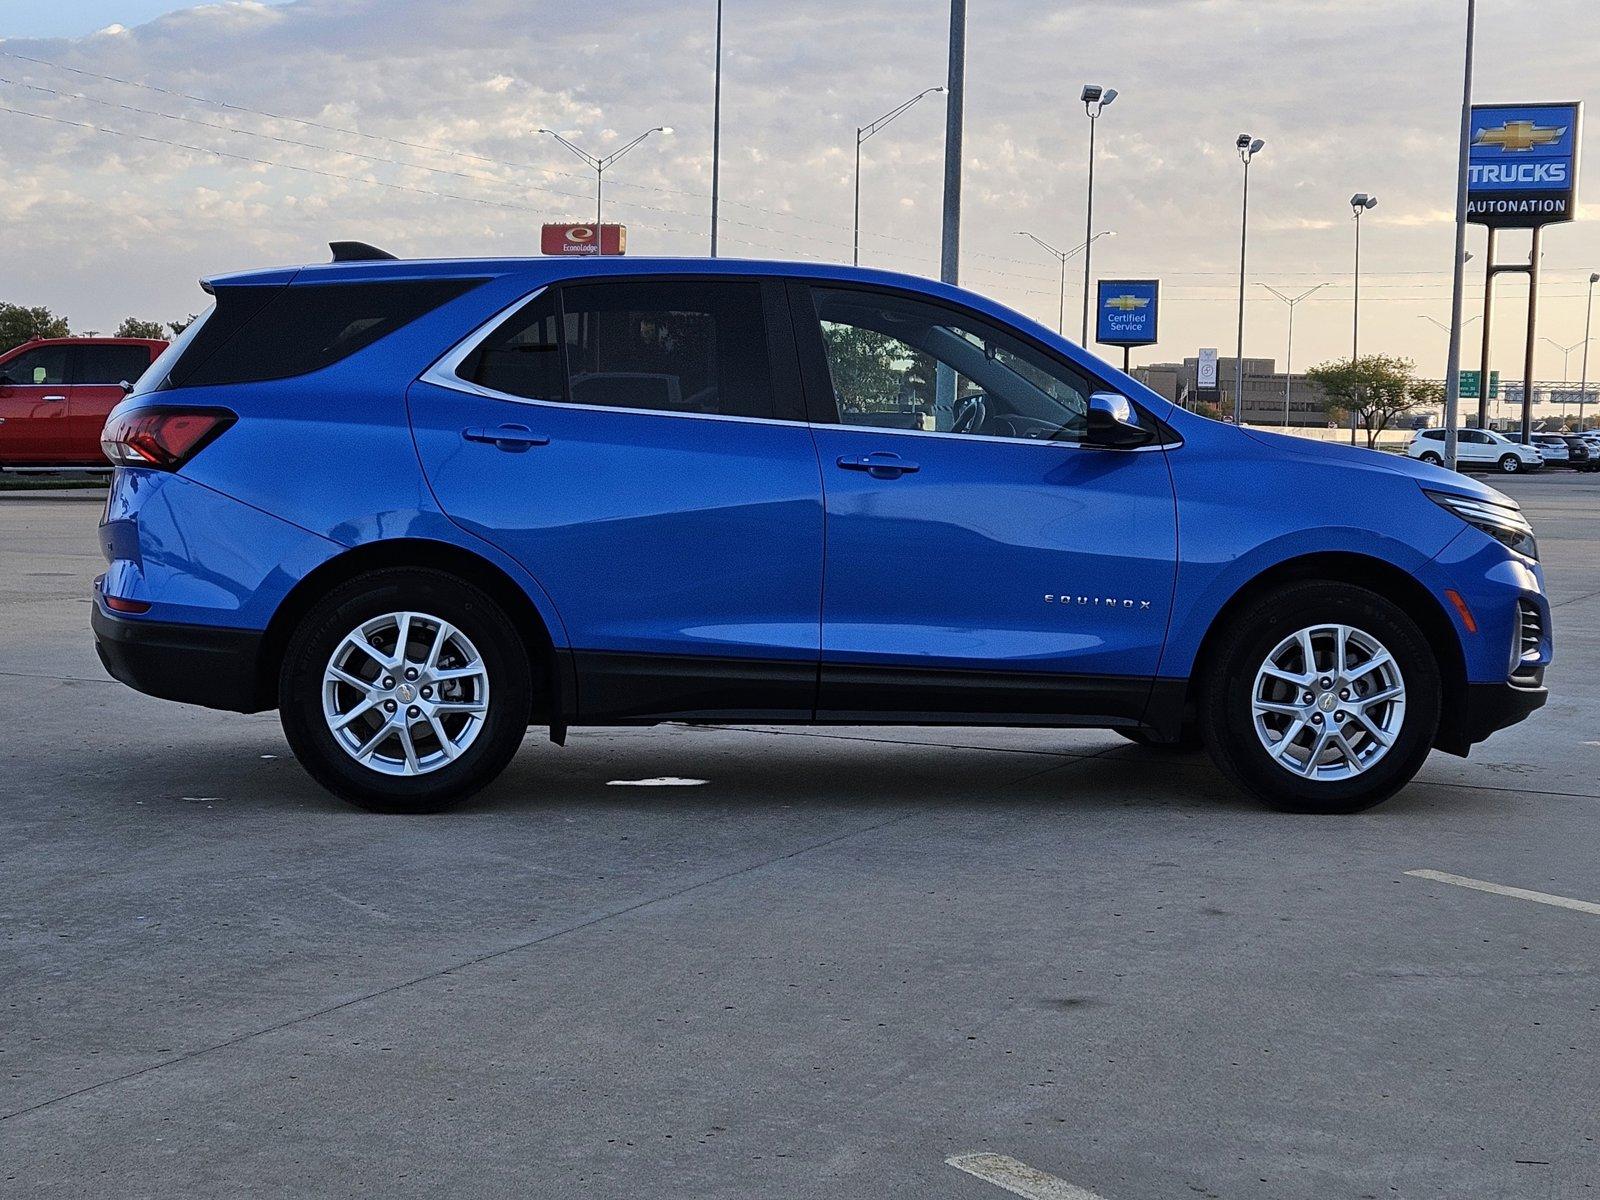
(1481, 448)
(1552, 448)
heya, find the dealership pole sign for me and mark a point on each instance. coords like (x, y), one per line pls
(1127, 313)
(1522, 173)
(1522, 164)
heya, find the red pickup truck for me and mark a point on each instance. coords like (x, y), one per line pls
(55, 394)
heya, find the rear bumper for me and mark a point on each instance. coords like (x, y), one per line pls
(192, 664)
(1488, 707)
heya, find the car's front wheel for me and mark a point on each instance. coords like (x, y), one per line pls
(1510, 464)
(405, 690)
(1322, 698)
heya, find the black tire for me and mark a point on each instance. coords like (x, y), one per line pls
(1432, 459)
(1226, 711)
(1189, 741)
(1510, 464)
(451, 599)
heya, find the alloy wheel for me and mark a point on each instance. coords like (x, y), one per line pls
(405, 693)
(1329, 702)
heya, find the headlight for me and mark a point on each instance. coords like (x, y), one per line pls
(1500, 519)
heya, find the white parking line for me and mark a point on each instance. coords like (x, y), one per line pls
(663, 781)
(1516, 893)
(1018, 1178)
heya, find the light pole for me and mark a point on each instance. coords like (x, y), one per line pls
(1566, 351)
(1248, 148)
(1359, 203)
(599, 165)
(716, 133)
(1452, 378)
(1588, 315)
(1094, 99)
(1062, 256)
(863, 132)
(1288, 353)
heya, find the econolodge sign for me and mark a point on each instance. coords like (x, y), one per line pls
(577, 238)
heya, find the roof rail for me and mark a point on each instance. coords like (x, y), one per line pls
(357, 252)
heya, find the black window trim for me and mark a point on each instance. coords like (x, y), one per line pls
(445, 371)
(823, 407)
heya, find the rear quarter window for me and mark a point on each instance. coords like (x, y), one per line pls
(261, 333)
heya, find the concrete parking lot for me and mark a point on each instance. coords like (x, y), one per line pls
(843, 958)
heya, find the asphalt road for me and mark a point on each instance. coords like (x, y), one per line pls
(846, 957)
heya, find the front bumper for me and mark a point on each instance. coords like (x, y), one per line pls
(192, 664)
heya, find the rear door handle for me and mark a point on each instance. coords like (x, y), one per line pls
(54, 399)
(507, 437)
(880, 464)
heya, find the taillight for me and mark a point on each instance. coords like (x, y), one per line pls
(162, 438)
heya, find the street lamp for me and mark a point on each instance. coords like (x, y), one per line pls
(1565, 352)
(599, 164)
(1435, 321)
(863, 132)
(1288, 353)
(1248, 148)
(1062, 256)
(1094, 99)
(1359, 203)
(1588, 315)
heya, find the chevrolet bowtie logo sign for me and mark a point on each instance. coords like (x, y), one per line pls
(1519, 135)
(1127, 303)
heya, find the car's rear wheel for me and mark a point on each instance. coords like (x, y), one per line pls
(1323, 698)
(405, 691)
(1432, 458)
(1510, 464)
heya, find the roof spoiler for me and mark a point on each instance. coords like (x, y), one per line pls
(357, 252)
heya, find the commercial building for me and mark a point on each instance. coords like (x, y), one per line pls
(1263, 390)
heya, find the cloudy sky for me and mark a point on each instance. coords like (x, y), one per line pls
(145, 144)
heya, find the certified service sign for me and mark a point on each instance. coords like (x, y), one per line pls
(1127, 312)
(1522, 169)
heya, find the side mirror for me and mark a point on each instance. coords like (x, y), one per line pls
(127, 388)
(1114, 423)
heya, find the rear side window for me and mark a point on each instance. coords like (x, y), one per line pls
(258, 333)
(702, 346)
(108, 364)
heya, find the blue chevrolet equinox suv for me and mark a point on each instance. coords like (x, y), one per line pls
(419, 506)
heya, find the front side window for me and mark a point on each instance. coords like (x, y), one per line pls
(44, 367)
(898, 363)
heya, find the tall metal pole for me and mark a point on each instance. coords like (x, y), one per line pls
(950, 242)
(1355, 324)
(1061, 304)
(1452, 370)
(1288, 368)
(855, 236)
(1088, 231)
(1238, 362)
(599, 182)
(1527, 356)
(716, 134)
(1583, 385)
(1488, 320)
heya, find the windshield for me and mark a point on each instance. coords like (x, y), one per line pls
(156, 373)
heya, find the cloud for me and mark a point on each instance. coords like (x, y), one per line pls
(445, 98)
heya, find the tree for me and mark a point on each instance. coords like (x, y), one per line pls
(19, 324)
(178, 327)
(133, 327)
(1376, 387)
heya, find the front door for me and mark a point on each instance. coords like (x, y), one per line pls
(981, 561)
(33, 406)
(639, 446)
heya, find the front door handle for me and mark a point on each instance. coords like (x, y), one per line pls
(54, 399)
(880, 464)
(507, 437)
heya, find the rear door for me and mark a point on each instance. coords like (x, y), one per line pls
(97, 373)
(980, 561)
(638, 445)
(33, 406)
